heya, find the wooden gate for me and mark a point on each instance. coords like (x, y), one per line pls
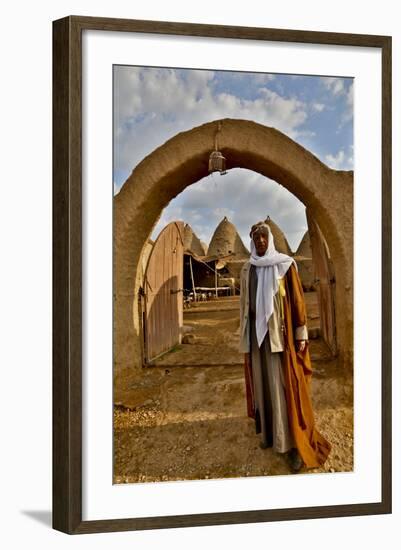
(163, 300)
(325, 279)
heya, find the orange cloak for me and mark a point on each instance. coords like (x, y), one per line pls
(312, 446)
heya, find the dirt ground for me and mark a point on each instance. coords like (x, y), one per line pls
(185, 417)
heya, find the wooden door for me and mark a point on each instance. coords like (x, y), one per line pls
(325, 279)
(163, 300)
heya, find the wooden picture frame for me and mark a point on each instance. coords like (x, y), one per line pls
(67, 273)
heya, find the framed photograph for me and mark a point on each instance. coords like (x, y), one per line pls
(221, 274)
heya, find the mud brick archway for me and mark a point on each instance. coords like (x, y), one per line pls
(182, 161)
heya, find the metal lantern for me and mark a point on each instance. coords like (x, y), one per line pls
(217, 163)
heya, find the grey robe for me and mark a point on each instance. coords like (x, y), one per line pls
(269, 385)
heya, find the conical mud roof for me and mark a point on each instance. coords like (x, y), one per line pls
(226, 240)
(280, 242)
(204, 246)
(192, 242)
(304, 248)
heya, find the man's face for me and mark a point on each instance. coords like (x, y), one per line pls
(261, 241)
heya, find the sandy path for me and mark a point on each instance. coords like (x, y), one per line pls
(175, 422)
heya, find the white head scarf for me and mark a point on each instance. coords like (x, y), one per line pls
(269, 269)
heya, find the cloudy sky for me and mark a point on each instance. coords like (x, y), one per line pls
(151, 105)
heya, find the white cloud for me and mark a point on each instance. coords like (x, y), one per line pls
(264, 78)
(220, 213)
(335, 161)
(335, 85)
(152, 105)
(251, 78)
(350, 95)
(245, 197)
(349, 112)
(169, 214)
(340, 161)
(306, 134)
(339, 89)
(318, 107)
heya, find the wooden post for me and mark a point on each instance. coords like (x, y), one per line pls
(326, 283)
(215, 277)
(192, 277)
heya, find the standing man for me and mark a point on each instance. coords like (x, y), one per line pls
(274, 339)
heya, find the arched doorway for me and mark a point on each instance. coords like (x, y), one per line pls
(183, 160)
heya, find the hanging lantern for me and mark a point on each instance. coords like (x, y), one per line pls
(217, 163)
